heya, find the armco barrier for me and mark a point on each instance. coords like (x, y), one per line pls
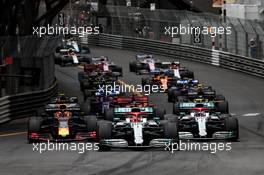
(178, 51)
(26, 104)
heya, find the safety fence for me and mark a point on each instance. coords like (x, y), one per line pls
(25, 104)
(244, 37)
(180, 51)
(27, 75)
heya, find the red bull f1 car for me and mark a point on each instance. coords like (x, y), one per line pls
(62, 120)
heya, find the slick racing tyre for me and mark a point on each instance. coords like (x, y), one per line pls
(104, 131)
(219, 98)
(171, 130)
(231, 124)
(173, 95)
(119, 70)
(145, 81)
(222, 107)
(86, 94)
(171, 117)
(80, 76)
(34, 126)
(176, 108)
(91, 122)
(132, 66)
(160, 113)
(109, 114)
(85, 107)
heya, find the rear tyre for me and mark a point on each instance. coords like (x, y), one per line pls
(219, 98)
(190, 74)
(80, 76)
(91, 123)
(182, 99)
(145, 81)
(132, 66)
(86, 94)
(171, 117)
(176, 108)
(174, 96)
(223, 107)
(109, 114)
(85, 107)
(159, 113)
(119, 70)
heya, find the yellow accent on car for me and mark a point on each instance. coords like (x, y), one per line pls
(64, 132)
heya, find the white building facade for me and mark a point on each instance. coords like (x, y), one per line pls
(246, 9)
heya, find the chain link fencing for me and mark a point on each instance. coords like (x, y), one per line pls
(244, 37)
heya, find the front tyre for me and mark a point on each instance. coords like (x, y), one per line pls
(104, 131)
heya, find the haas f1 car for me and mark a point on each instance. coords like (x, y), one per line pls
(136, 127)
(62, 120)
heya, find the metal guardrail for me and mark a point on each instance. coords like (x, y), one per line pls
(214, 57)
(25, 104)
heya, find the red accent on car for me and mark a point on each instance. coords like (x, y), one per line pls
(92, 134)
(136, 116)
(141, 98)
(200, 109)
(34, 135)
(9, 60)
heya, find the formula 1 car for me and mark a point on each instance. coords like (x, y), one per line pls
(102, 65)
(186, 90)
(136, 127)
(143, 63)
(71, 53)
(89, 84)
(174, 69)
(62, 120)
(201, 123)
(101, 101)
(146, 64)
(162, 81)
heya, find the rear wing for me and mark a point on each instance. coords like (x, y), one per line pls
(205, 94)
(191, 105)
(129, 100)
(92, 67)
(143, 56)
(186, 82)
(125, 110)
(58, 107)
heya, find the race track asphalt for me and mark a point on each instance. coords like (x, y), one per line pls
(246, 99)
